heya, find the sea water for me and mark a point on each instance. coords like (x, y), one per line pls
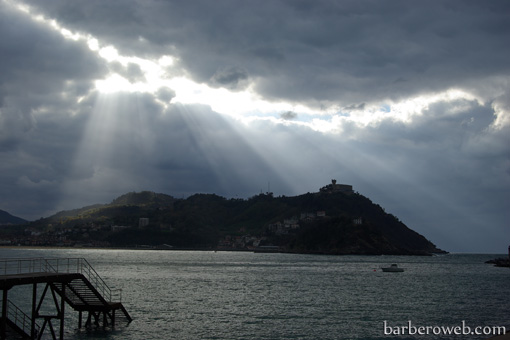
(196, 295)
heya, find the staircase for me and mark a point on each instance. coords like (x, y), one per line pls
(73, 280)
(83, 296)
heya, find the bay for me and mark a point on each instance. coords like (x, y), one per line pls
(244, 295)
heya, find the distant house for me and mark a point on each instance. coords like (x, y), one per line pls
(321, 213)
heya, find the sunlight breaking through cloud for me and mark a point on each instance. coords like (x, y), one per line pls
(242, 105)
(98, 100)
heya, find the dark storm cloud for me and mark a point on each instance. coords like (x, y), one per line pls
(165, 94)
(288, 115)
(310, 51)
(232, 78)
(40, 60)
(39, 70)
(132, 72)
(355, 107)
(41, 75)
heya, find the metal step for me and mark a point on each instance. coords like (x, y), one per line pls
(73, 279)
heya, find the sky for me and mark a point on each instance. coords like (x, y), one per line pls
(407, 101)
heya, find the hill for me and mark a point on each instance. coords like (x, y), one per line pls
(335, 220)
(124, 210)
(7, 219)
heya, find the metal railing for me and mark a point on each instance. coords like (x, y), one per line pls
(20, 319)
(60, 265)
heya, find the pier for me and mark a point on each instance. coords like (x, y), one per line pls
(70, 281)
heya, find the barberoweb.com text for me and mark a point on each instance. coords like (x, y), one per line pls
(461, 329)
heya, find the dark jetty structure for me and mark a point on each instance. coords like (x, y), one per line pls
(70, 281)
(502, 261)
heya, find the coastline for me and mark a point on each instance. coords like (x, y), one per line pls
(252, 250)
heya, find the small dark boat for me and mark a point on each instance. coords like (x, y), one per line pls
(394, 268)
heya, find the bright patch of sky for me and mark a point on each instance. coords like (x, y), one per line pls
(243, 105)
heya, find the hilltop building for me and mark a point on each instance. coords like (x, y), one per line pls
(333, 187)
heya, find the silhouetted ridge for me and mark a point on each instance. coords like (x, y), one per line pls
(335, 220)
(6, 218)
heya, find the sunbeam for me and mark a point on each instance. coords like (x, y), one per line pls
(115, 142)
(224, 151)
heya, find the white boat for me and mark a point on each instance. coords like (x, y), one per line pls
(394, 268)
